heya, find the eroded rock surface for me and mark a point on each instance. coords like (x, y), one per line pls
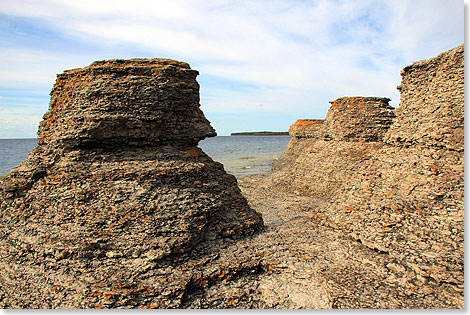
(395, 186)
(141, 102)
(306, 128)
(407, 199)
(321, 158)
(363, 210)
(117, 207)
(431, 111)
(358, 119)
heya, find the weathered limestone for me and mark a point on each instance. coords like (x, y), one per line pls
(303, 132)
(431, 111)
(348, 119)
(364, 210)
(322, 154)
(358, 119)
(397, 188)
(408, 198)
(306, 128)
(138, 102)
(116, 206)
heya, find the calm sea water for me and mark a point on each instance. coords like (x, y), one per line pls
(240, 156)
(14, 151)
(245, 155)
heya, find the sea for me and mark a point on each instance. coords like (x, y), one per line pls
(245, 155)
(240, 155)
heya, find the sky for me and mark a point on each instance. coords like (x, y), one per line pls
(263, 63)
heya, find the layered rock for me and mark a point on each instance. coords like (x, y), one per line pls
(306, 128)
(398, 190)
(408, 199)
(116, 206)
(358, 119)
(319, 160)
(303, 133)
(140, 102)
(364, 210)
(431, 111)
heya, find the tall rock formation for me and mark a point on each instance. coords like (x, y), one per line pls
(358, 119)
(398, 190)
(303, 133)
(319, 159)
(116, 206)
(431, 109)
(306, 128)
(407, 199)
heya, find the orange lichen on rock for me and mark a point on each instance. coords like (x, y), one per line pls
(358, 118)
(306, 128)
(302, 123)
(193, 152)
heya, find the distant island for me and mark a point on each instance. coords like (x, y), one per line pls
(261, 133)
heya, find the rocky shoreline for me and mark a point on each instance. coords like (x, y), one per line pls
(383, 189)
(117, 207)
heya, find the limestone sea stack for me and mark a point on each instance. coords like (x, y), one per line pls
(393, 184)
(117, 206)
(306, 128)
(407, 199)
(358, 119)
(137, 103)
(318, 160)
(303, 132)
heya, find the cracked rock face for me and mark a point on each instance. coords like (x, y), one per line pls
(431, 111)
(358, 119)
(397, 187)
(116, 206)
(125, 102)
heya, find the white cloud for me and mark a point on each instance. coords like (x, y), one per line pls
(422, 29)
(295, 54)
(22, 67)
(20, 123)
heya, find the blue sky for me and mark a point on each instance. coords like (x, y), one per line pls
(263, 64)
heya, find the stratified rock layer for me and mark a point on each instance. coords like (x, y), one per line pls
(407, 199)
(355, 217)
(358, 119)
(303, 132)
(431, 111)
(322, 154)
(397, 188)
(306, 128)
(138, 102)
(116, 206)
